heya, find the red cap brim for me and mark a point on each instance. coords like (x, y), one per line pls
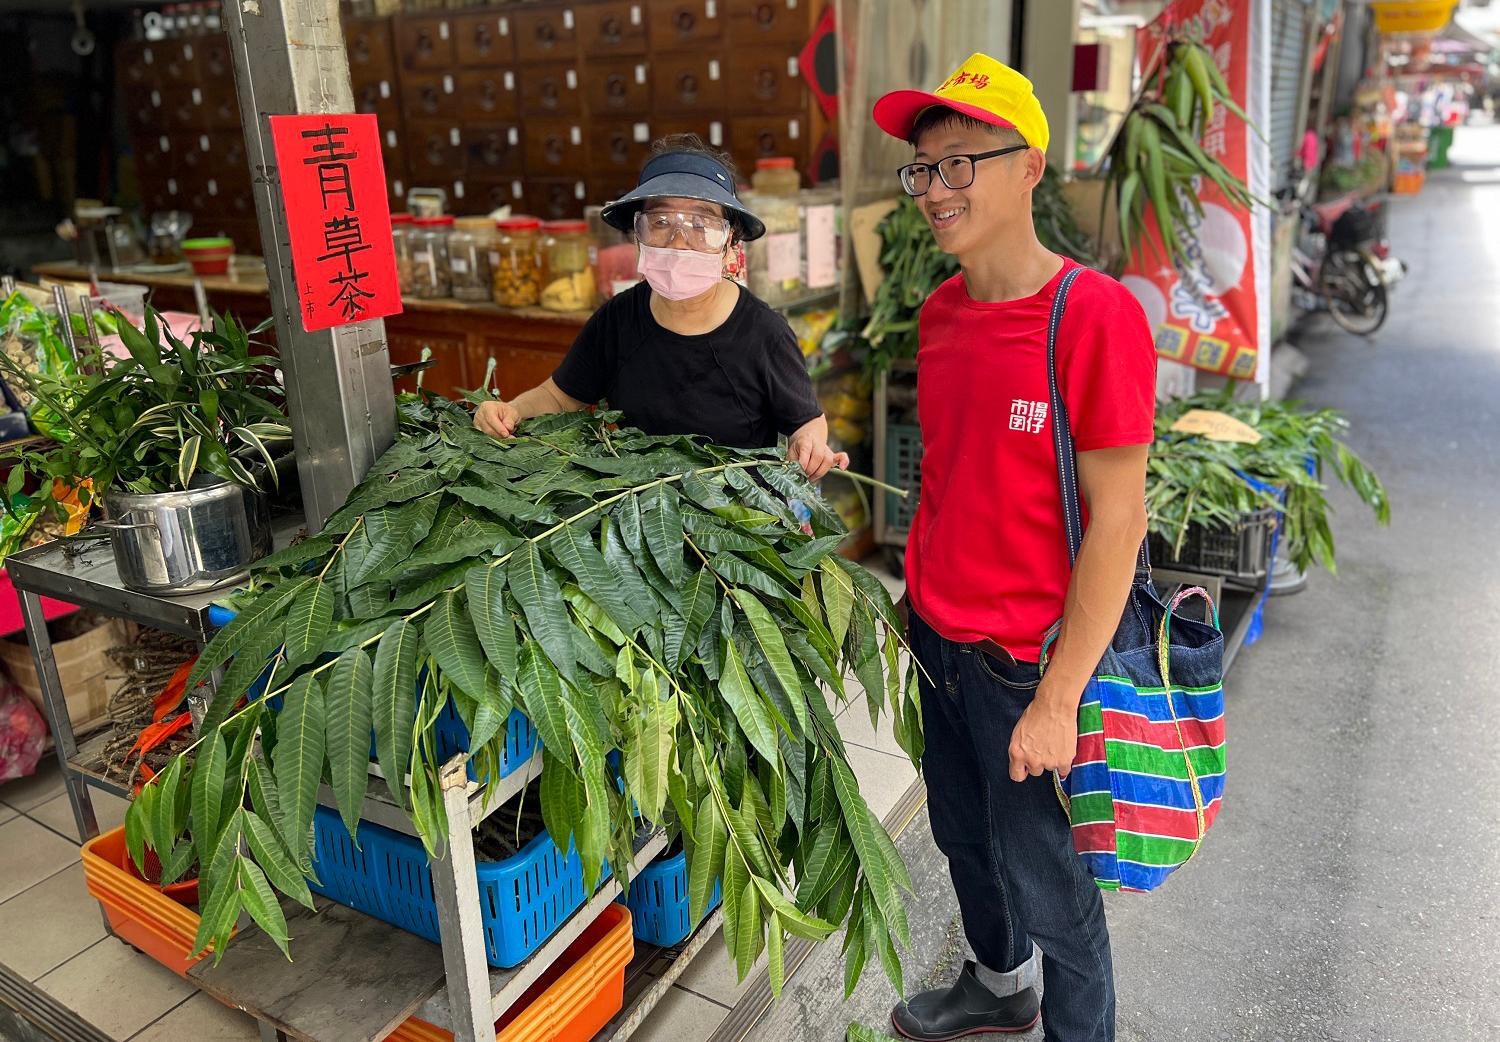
(896, 113)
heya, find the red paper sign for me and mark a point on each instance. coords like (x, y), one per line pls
(1212, 311)
(338, 217)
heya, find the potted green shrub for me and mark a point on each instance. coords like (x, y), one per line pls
(174, 439)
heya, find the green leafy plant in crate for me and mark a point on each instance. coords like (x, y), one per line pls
(651, 595)
(1196, 481)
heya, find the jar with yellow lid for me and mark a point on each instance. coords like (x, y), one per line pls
(567, 275)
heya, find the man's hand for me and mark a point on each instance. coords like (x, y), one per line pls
(497, 419)
(1046, 736)
(813, 453)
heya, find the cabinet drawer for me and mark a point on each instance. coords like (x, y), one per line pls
(179, 61)
(492, 150)
(425, 43)
(684, 24)
(517, 369)
(138, 61)
(369, 43)
(617, 153)
(767, 21)
(760, 137)
(216, 64)
(484, 39)
(556, 199)
(687, 84)
(710, 127)
(142, 110)
(379, 98)
(545, 35)
(488, 94)
(154, 160)
(430, 95)
(215, 155)
(221, 108)
(434, 152)
(447, 376)
(556, 148)
(481, 195)
(617, 27)
(618, 88)
(549, 90)
(765, 79)
(182, 108)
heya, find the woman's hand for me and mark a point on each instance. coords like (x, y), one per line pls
(497, 419)
(811, 450)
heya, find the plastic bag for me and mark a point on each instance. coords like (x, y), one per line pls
(23, 733)
(33, 337)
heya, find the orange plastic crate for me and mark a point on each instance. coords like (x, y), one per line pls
(1409, 184)
(138, 912)
(572, 1000)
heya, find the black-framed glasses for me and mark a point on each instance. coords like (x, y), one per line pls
(956, 171)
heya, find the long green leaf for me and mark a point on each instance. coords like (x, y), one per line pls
(711, 838)
(492, 619)
(541, 599)
(262, 905)
(301, 730)
(266, 847)
(307, 623)
(576, 552)
(867, 846)
(769, 640)
(661, 524)
(541, 693)
(247, 626)
(838, 600)
(393, 700)
(208, 793)
(451, 639)
(700, 598)
(746, 703)
(220, 910)
(350, 719)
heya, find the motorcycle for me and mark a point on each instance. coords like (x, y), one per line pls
(1342, 263)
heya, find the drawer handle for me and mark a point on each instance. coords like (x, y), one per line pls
(686, 22)
(492, 151)
(687, 87)
(765, 82)
(549, 93)
(765, 15)
(554, 150)
(767, 142)
(430, 100)
(488, 97)
(546, 35)
(615, 89)
(612, 31)
(619, 150)
(424, 43)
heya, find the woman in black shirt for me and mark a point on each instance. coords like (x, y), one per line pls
(687, 351)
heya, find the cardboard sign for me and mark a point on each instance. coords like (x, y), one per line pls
(1212, 310)
(1216, 426)
(338, 217)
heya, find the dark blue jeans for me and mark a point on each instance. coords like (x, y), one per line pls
(1008, 845)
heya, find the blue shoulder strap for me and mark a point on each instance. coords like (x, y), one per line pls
(1062, 439)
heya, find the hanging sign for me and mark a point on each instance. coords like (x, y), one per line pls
(338, 218)
(1212, 310)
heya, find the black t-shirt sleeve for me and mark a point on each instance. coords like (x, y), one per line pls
(587, 370)
(789, 389)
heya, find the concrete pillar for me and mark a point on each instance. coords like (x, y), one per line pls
(1047, 58)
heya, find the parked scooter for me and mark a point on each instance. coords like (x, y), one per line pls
(1342, 262)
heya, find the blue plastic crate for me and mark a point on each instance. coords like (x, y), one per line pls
(523, 899)
(659, 902)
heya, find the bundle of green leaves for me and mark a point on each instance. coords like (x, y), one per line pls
(151, 421)
(1193, 480)
(647, 595)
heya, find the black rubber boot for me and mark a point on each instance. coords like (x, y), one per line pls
(967, 1008)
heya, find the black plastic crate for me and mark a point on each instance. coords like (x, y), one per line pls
(1239, 551)
(903, 468)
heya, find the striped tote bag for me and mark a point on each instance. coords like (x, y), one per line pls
(1148, 779)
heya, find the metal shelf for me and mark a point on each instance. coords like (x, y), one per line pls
(381, 809)
(507, 986)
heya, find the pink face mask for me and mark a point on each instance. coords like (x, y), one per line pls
(680, 274)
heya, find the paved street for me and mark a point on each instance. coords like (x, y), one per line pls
(1349, 891)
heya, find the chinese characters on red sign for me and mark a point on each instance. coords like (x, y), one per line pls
(338, 217)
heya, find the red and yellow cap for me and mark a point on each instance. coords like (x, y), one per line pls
(981, 87)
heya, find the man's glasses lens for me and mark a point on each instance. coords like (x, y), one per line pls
(956, 172)
(701, 232)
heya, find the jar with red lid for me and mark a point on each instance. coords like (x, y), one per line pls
(432, 274)
(515, 263)
(776, 176)
(567, 275)
(401, 229)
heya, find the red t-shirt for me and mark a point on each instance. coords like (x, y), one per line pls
(987, 556)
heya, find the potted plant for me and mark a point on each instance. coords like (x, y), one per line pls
(174, 438)
(1223, 499)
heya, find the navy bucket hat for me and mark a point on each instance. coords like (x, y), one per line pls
(684, 175)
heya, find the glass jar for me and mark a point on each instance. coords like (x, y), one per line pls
(776, 176)
(774, 261)
(822, 238)
(567, 278)
(469, 248)
(401, 229)
(516, 268)
(431, 274)
(613, 254)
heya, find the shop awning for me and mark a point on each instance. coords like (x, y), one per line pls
(1412, 16)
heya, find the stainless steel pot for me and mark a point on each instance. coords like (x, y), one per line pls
(187, 542)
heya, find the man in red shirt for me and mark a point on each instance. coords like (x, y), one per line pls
(987, 557)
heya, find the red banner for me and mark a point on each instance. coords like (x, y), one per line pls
(1211, 310)
(338, 217)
